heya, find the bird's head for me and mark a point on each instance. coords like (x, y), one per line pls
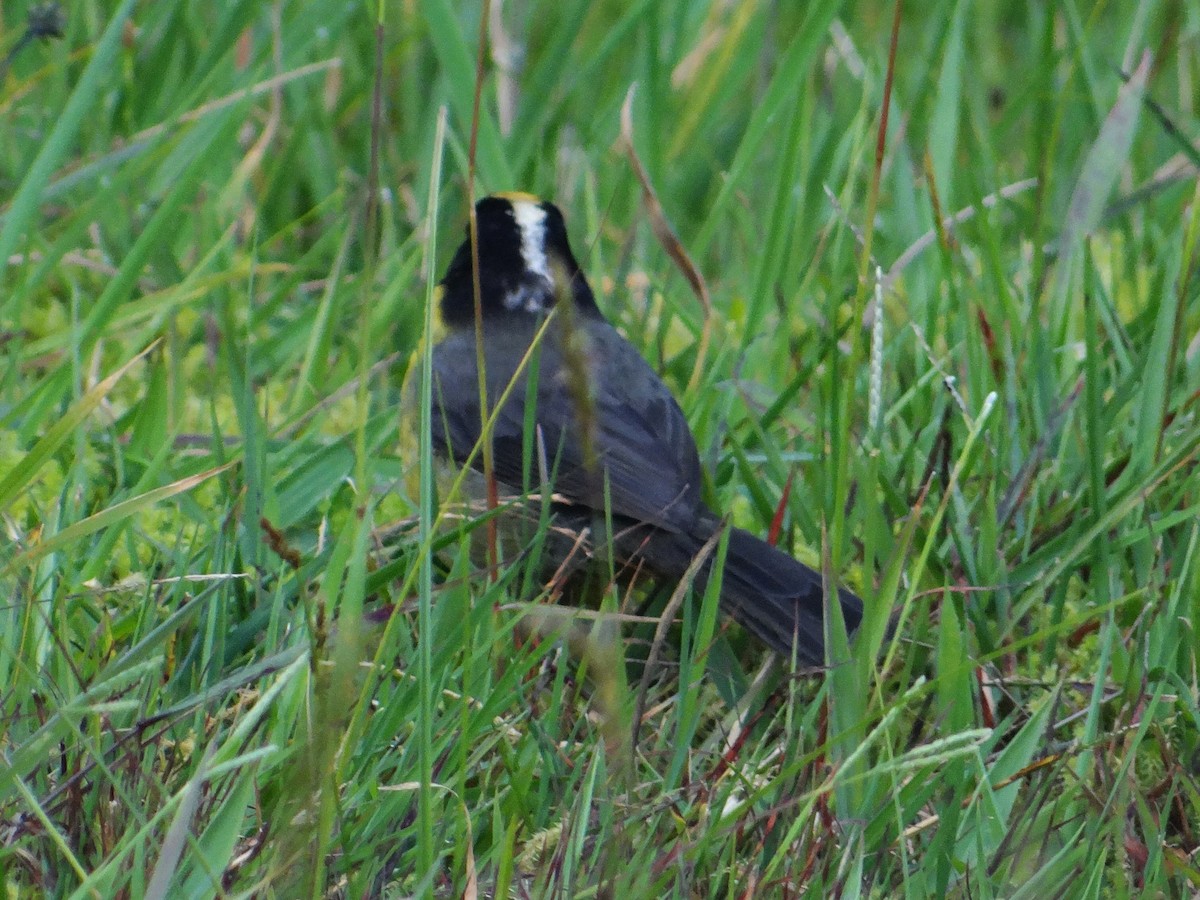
(525, 263)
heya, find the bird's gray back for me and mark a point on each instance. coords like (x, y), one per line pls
(648, 467)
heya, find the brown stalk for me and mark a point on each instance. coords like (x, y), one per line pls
(667, 237)
(485, 435)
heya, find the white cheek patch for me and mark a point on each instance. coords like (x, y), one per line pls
(531, 295)
(531, 220)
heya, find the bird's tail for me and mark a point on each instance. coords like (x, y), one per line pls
(779, 599)
(775, 597)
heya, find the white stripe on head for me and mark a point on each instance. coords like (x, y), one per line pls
(531, 220)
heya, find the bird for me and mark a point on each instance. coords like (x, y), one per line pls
(599, 432)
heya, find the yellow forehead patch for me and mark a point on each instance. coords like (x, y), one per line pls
(518, 197)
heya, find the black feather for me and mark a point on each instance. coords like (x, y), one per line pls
(618, 446)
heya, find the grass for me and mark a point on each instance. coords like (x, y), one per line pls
(237, 656)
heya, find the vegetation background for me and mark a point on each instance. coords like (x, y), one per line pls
(235, 658)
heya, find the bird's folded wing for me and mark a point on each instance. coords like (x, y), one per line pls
(632, 454)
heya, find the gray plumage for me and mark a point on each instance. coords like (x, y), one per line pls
(603, 428)
(646, 458)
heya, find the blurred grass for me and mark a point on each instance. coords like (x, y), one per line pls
(204, 473)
